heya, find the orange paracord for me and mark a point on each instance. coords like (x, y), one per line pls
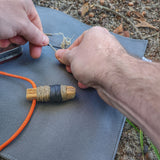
(20, 129)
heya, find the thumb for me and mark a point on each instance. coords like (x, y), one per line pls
(64, 56)
(31, 33)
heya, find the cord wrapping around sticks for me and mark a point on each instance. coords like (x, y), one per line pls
(43, 93)
(27, 119)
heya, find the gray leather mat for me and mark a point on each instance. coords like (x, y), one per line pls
(83, 129)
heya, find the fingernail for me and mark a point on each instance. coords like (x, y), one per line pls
(59, 54)
(45, 40)
(82, 86)
(68, 68)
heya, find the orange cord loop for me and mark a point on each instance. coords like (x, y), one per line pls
(27, 119)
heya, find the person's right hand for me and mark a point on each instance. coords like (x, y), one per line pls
(19, 23)
(92, 56)
(128, 84)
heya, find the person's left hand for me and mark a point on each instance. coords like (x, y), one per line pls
(19, 23)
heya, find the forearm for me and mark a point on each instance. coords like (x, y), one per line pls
(132, 87)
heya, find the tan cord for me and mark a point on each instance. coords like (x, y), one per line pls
(66, 42)
(43, 93)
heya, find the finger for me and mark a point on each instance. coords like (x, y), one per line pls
(35, 19)
(4, 43)
(33, 15)
(18, 40)
(31, 33)
(58, 55)
(77, 41)
(81, 85)
(35, 51)
(63, 55)
(68, 68)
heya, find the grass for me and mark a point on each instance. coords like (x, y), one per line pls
(141, 140)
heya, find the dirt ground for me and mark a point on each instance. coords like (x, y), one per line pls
(138, 19)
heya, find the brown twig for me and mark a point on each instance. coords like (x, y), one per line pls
(125, 18)
(155, 34)
(69, 8)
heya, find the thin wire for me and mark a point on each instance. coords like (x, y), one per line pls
(52, 47)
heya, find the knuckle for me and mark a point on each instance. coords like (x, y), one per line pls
(97, 32)
(100, 29)
(67, 57)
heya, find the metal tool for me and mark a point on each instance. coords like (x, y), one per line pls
(11, 52)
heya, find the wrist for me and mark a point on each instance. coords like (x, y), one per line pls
(111, 69)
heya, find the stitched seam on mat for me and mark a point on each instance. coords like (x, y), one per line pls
(8, 156)
(118, 138)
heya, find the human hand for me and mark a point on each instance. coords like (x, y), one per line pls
(91, 57)
(20, 23)
(128, 84)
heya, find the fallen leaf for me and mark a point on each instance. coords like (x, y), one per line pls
(125, 34)
(139, 15)
(84, 9)
(142, 21)
(119, 29)
(145, 24)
